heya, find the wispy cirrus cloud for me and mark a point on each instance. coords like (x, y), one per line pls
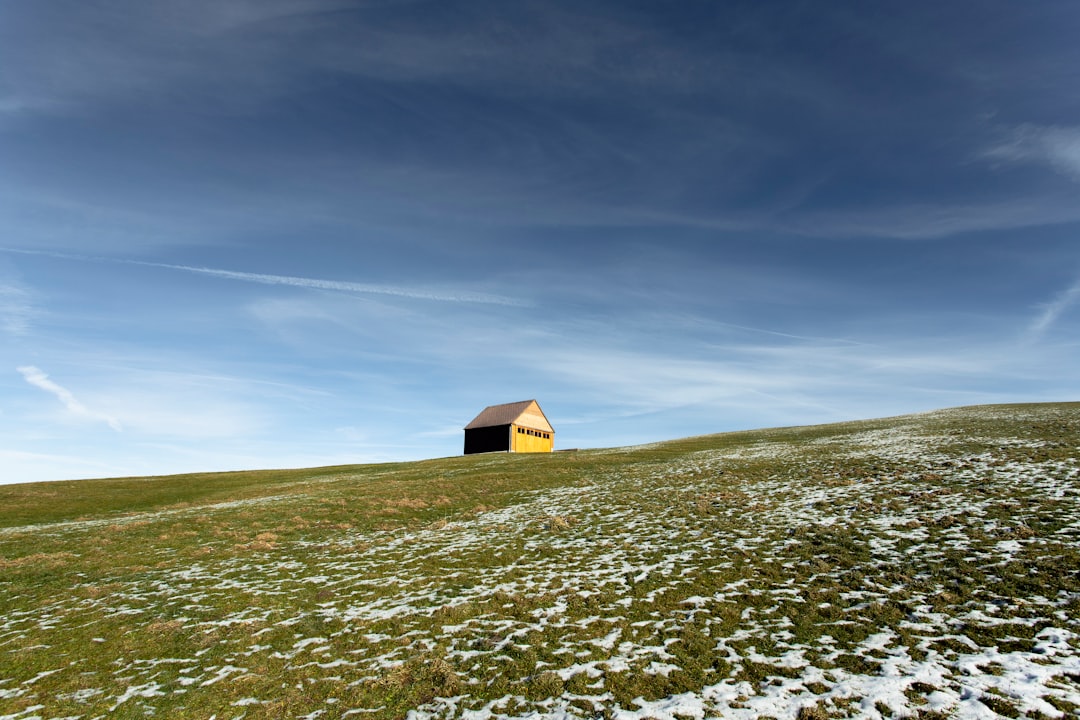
(451, 295)
(456, 296)
(1058, 147)
(931, 220)
(39, 379)
(1052, 311)
(15, 309)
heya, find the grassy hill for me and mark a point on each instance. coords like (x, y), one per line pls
(922, 566)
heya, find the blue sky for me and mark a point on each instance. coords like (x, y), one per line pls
(243, 234)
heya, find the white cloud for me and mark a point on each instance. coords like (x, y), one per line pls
(14, 106)
(172, 399)
(921, 221)
(344, 286)
(1052, 311)
(1058, 147)
(452, 295)
(38, 379)
(15, 309)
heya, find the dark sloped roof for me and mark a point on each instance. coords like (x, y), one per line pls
(500, 414)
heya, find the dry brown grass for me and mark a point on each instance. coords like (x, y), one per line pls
(407, 502)
(1022, 531)
(164, 627)
(96, 591)
(425, 678)
(813, 712)
(556, 523)
(127, 526)
(263, 541)
(49, 560)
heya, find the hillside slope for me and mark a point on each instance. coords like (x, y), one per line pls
(926, 565)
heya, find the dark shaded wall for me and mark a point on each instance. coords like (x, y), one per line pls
(487, 439)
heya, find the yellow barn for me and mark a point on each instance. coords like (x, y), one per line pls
(514, 427)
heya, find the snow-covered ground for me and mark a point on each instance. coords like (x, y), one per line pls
(891, 572)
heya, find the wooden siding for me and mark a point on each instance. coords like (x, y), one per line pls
(533, 417)
(528, 440)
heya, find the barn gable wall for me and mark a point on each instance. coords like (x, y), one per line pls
(533, 417)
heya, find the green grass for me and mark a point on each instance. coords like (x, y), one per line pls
(762, 573)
